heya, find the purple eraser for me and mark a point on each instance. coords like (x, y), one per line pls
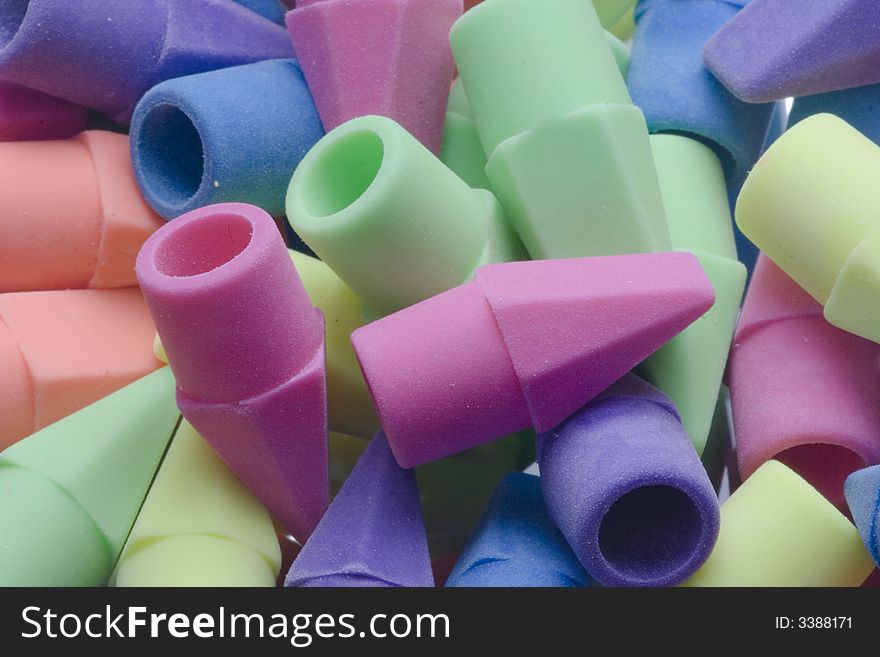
(626, 488)
(373, 533)
(774, 49)
(247, 349)
(384, 57)
(28, 115)
(105, 54)
(524, 344)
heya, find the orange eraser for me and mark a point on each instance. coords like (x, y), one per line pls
(63, 350)
(71, 214)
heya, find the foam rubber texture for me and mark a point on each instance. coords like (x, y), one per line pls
(776, 530)
(230, 135)
(28, 115)
(372, 534)
(274, 10)
(626, 488)
(107, 59)
(513, 349)
(105, 219)
(689, 367)
(798, 383)
(247, 349)
(857, 106)
(221, 535)
(72, 490)
(670, 83)
(836, 48)
(377, 206)
(63, 350)
(516, 543)
(385, 57)
(810, 205)
(863, 497)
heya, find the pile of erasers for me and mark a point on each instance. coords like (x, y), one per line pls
(449, 293)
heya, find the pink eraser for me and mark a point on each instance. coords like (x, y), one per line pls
(28, 115)
(63, 350)
(71, 215)
(384, 57)
(803, 391)
(524, 344)
(247, 349)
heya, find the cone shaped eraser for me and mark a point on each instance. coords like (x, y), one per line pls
(568, 154)
(377, 206)
(625, 486)
(274, 10)
(857, 106)
(776, 530)
(88, 230)
(106, 60)
(689, 367)
(350, 409)
(803, 391)
(70, 492)
(810, 204)
(805, 47)
(563, 36)
(525, 344)
(384, 57)
(247, 349)
(863, 498)
(582, 185)
(372, 534)
(829, 375)
(516, 543)
(27, 115)
(670, 83)
(199, 526)
(63, 350)
(230, 135)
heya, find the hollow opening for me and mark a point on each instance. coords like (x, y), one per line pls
(649, 532)
(342, 172)
(171, 155)
(11, 17)
(825, 467)
(203, 245)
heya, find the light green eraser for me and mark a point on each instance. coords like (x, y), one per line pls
(568, 153)
(199, 525)
(689, 368)
(71, 491)
(377, 206)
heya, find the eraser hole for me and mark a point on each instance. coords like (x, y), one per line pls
(171, 155)
(650, 531)
(825, 467)
(11, 17)
(342, 172)
(203, 245)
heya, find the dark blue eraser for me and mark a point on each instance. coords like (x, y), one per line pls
(516, 544)
(233, 135)
(274, 10)
(862, 490)
(860, 107)
(668, 80)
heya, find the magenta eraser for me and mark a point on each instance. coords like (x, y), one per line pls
(28, 115)
(804, 392)
(384, 57)
(524, 344)
(247, 349)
